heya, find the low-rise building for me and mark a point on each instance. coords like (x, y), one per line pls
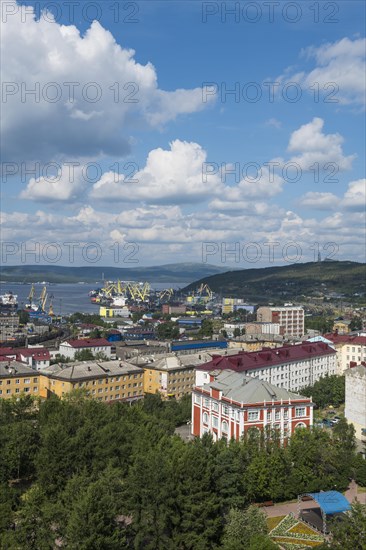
(355, 409)
(96, 345)
(341, 326)
(105, 381)
(173, 309)
(16, 379)
(231, 403)
(35, 357)
(289, 367)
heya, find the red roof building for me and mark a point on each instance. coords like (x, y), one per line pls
(290, 367)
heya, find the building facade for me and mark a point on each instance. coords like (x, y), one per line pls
(290, 318)
(105, 381)
(289, 367)
(95, 345)
(351, 350)
(17, 379)
(231, 403)
(355, 409)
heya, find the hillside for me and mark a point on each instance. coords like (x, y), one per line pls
(290, 282)
(170, 273)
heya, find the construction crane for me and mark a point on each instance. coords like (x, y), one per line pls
(31, 294)
(166, 294)
(51, 313)
(139, 292)
(205, 291)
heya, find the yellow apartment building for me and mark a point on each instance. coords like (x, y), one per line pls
(17, 378)
(106, 381)
(170, 374)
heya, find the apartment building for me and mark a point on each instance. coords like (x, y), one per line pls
(290, 318)
(106, 381)
(231, 403)
(17, 379)
(170, 374)
(290, 367)
(351, 350)
(355, 409)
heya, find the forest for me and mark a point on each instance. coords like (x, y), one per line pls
(82, 474)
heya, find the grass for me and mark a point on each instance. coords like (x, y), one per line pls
(273, 522)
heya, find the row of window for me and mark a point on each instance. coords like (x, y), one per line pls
(17, 381)
(253, 414)
(17, 390)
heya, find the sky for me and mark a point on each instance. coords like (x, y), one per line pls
(156, 132)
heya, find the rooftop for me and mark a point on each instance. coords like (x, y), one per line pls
(90, 369)
(88, 343)
(360, 369)
(247, 389)
(15, 368)
(267, 357)
(346, 339)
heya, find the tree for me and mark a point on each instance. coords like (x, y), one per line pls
(206, 328)
(244, 526)
(84, 355)
(168, 331)
(356, 323)
(329, 390)
(350, 532)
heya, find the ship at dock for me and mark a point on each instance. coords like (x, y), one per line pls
(37, 307)
(8, 302)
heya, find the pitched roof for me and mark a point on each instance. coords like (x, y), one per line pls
(36, 353)
(86, 370)
(346, 339)
(267, 357)
(15, 368)
(88, 343)
(247, 389)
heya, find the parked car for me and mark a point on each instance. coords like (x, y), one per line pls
(328, 423)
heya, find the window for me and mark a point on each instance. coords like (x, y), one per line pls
(215, 421)
(26, 390)
(197, 398)
(300, 411)
(225, 426)
(17, 381)
(215, 407)
(35, 389)
(205, 402)
(7, 391)
(17, 390)
(26, 380)
(277, 415)
(253, 415)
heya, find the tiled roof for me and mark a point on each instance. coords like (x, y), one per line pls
(88, 343)
(346, 339)
(267, 357)
(247, 389)
(36, 353)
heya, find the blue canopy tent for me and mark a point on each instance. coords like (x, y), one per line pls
(330, 503)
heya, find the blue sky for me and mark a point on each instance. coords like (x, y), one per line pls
(180, 139)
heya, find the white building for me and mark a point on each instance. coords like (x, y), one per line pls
(95, 345)
(290, 367)
(351, 350)
(290, 318)
(355, 410)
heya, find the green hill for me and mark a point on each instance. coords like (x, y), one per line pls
(313, 279)
(171, 273)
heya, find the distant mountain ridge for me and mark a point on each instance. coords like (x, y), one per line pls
(171, 273)
(289, 282)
